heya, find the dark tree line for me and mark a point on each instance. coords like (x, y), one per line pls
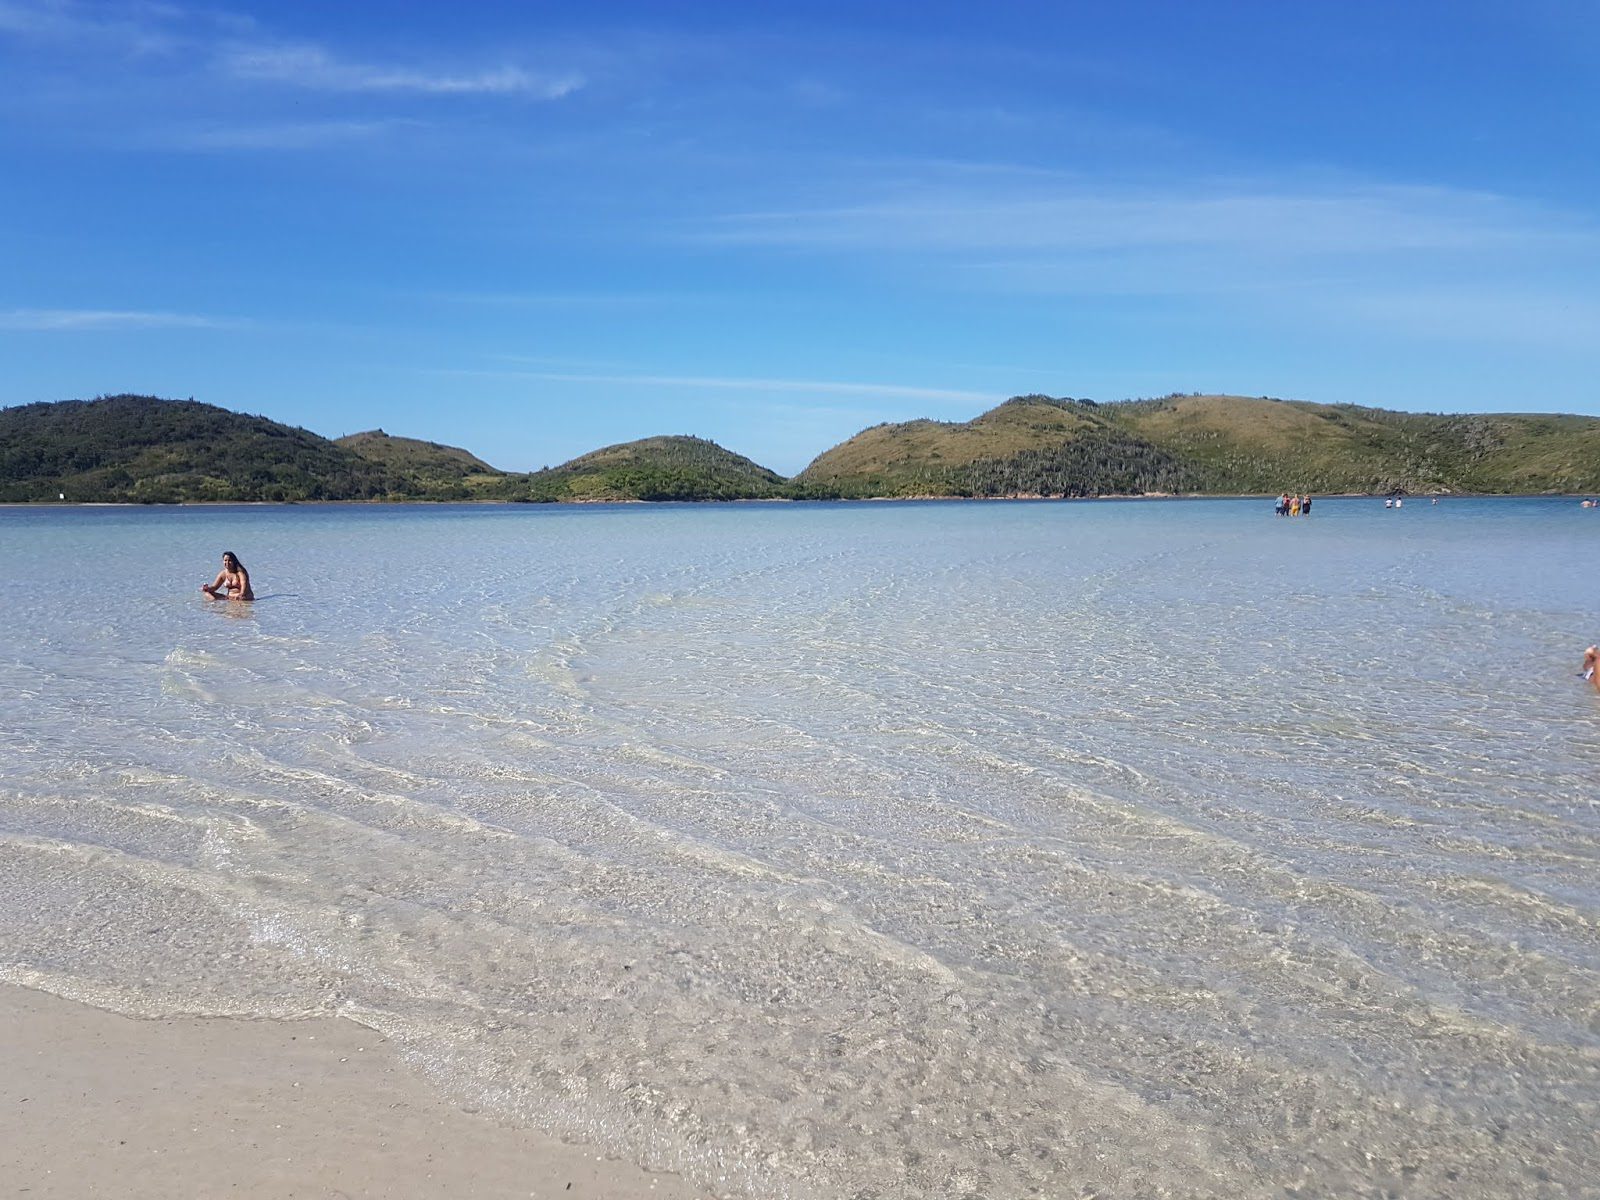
(1097, 461)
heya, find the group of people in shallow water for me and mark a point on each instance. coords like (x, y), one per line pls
(1293, 506)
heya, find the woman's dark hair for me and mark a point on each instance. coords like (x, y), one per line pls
(234, 559)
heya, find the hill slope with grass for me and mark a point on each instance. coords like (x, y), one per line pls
(411, 456)
(1037, 445)
(428, 469)
(1251, 444)
(655, 468)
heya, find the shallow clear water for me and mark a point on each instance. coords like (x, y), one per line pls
(874, 850)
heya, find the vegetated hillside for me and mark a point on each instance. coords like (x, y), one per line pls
(1242, 444)
(414, 457)
(936, 457)
(431, 470)
(140, 448)
(1035, 445)
(656, 468)
(1030, 445)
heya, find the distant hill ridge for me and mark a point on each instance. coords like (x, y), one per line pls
(1038, 445)
(675, 467)
(140, 448)
(415, 456)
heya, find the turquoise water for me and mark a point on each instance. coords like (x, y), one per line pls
(871, 850)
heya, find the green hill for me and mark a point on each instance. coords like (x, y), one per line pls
(139, 448)
(427, 469)
(655, 468)
(1036, 445)
(409, 456)
(1260, 445)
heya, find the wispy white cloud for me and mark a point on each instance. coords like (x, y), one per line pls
(283, 135)
(34, 20)
(309, 66)
(1025, 214)
(1551, 320)
(558, 299)
(129, 27)
(77, 320)
(241, 49)
(750, 384)
(1433, 262)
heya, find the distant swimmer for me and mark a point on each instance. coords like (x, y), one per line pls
(1591, 666)
(232, 582)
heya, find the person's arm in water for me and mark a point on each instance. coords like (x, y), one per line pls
(1591, 666)
(211, 588)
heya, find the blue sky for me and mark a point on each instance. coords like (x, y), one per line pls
(535, 229)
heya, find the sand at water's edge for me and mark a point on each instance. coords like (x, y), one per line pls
(96, 1104)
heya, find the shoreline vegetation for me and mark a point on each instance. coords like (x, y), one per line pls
(144, 450)
(1089, 499)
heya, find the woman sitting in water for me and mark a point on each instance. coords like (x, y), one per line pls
(232, 582)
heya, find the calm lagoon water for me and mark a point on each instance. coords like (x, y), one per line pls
(872, 850)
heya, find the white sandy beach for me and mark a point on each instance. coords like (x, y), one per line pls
(96, 1104)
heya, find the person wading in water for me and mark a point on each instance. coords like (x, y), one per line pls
(232, 582)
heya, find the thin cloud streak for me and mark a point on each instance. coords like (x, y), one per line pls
(734, 383)
(135, 29)
(1078, 218)
(555, 299)
(291, 135)
(311, 67)
(79, 320)
(1387, 257)
(132, 29)
(238, 47)
(1546, 320)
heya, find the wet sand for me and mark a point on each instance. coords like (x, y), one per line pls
(97, 1104)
